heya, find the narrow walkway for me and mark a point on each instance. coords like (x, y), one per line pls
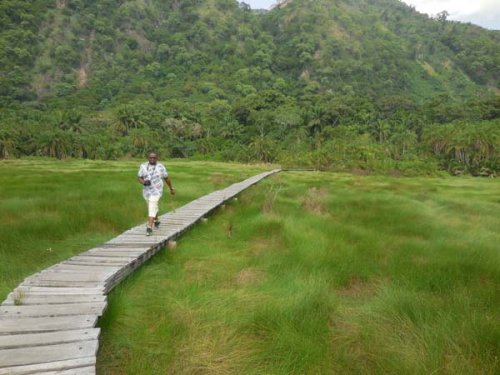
(48, 323)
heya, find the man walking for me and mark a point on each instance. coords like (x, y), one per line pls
(151, 176)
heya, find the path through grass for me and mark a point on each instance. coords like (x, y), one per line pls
(51, 210)
(317, 273)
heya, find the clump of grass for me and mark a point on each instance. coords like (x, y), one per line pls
(19, 296)
(269, 199)
(314, 201)
(220, 180)
(249, 276)
(230, 229)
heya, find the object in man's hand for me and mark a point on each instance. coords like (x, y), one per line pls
(147, 183)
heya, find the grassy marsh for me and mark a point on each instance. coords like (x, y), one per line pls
(316, 273)
(306, 273)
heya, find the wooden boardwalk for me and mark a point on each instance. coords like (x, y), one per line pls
(48, 323)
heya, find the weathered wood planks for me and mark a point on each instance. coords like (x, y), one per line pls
(15, 325)
(48, 338)
(69, 366)
(47, 324)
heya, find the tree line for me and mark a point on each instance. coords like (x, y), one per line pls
(332, 84)
(335, 134)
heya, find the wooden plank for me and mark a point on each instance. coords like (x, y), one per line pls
(108, 245)
(64, 267)
(49, 290)
(37, 324)
(132, 241)
(179, 225)
(115, 246)
(180, 218)
(175, 225)
(111, 256)
(198, 207)
(123, 251)
(185, 215)
(96, 259)
(117, 253)
(212, 203)
(97, 263)
(187, 211)
(43, 368)
(48, 338)
(144, 241)
(125, 247)
(90, 370)
(85, 308)
(66, 277)
(72, 269)
(195, 211)
(184, 223)
(133, 238)
(59, 283)
(79, 274)
(48, 353)
(49, 299)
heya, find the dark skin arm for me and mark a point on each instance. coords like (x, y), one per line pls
(169, 184)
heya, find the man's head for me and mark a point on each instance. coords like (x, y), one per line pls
(152, 157)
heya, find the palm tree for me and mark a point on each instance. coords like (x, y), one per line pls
(436, 137)
(141, 141)
(402, 140)
(55, 144)
(382, 130)
(263, 149)
(8, 143)
(314, 120)
(126, 118)
(69, 120)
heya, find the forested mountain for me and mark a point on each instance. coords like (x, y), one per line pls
(331, 83)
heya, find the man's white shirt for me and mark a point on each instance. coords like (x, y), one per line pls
(154, 173)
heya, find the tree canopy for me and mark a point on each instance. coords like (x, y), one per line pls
(330, 83)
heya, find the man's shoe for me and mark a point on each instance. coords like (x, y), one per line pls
(149, 231)
(157, 224)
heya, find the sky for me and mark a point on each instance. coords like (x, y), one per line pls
(485, 13)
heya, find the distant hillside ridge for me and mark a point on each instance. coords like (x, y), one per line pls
(369, 47)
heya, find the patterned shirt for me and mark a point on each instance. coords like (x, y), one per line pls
(154, 173)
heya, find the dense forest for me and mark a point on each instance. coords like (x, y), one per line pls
(368, 85)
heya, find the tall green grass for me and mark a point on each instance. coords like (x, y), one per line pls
(306, 273)
(317, 273)
(51, 210)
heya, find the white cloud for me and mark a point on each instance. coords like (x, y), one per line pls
(452, 6)
(485, 13)
(260, 4)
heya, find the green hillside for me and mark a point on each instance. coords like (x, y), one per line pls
(212, 78)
